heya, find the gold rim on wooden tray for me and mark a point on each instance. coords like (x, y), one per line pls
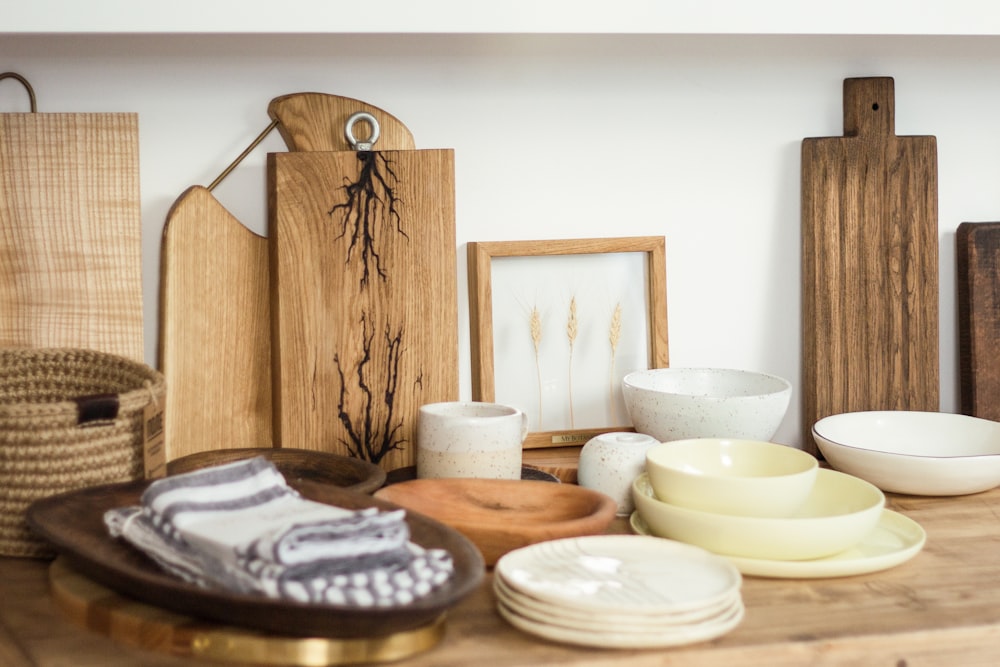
(101, 610)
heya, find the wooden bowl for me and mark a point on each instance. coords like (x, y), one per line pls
(74, 524)
(297, 465)
(499, 515)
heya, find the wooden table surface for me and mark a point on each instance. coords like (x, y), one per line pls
(941, 608)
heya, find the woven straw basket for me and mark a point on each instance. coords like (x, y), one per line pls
(69, 419)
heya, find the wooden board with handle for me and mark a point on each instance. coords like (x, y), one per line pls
(71, 232)
(215, 342)
(215, 319)
(978, 268)
(869, 263)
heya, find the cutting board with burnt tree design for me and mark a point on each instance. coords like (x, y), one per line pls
(978, 268)
(869, 263)
(363, 297)
(217, 359)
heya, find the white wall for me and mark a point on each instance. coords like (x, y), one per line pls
(695, 138)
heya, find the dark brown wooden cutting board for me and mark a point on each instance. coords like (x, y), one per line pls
(869, 263)
(978, 266)
(364, 298)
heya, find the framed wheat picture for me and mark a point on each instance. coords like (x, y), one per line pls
(556, 325)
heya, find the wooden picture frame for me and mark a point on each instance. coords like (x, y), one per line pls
(549, 309)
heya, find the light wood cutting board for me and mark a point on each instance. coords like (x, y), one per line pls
(215, 342)
(978, 267)
(215, 318)
(71, 232)
(364, 297)
(869, 263)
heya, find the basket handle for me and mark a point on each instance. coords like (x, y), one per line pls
(27, 86)
(96, 408)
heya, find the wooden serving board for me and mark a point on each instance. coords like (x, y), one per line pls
(869, 263)
(364, 298)
(71, 232)
(123, 619)
(215, 341)
(215, 308)
(978, 266)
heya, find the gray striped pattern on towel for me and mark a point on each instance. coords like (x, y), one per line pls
(241, 528)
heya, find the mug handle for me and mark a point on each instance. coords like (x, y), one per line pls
(524, 426)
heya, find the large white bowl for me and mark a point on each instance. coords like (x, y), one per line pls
(837, 515)
(732, 476)
(682, 403)
(918, 453)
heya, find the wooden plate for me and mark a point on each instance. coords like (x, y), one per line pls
(295, 465)
(500, 515)
(73, 523)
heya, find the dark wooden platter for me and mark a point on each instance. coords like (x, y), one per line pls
(73, 523)
(295, 464)
(978, 267)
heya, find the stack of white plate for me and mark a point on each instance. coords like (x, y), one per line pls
(618, 591)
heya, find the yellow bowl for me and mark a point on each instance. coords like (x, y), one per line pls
(730, 476)
(839, 512)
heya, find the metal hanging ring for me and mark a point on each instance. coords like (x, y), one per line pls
(367, 144)
(27, 86)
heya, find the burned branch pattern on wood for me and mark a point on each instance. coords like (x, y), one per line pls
(372, 206)
(374, 430)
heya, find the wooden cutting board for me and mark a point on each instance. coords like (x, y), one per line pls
(869, 263)
(71, 232)
(215, 315)
(978, 266)
(364, 297)
(215, 342)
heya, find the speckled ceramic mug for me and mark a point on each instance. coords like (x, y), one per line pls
(470, 439)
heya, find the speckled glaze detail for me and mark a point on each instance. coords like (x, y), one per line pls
(681, 403)
(470, 439)
(610, 462)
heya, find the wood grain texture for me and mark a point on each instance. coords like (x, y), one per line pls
(316, 121)
(938, 610)
(978, 268)
(869, 263)
(364, 304)
(215, 343)
(71, 232)
(215, 318)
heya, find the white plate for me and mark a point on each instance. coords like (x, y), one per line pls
(677, 636)
(895, 540)
(541, 611)
(619, 573)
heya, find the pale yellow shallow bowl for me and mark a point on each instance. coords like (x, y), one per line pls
(839, 512)
(731, 476)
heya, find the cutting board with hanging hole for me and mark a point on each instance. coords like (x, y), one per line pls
(70, 231)
(869, 263)
(364, 297)
(216, 314)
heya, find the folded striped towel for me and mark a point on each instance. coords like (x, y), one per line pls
(240, 527)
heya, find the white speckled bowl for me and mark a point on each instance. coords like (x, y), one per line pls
(730, 476)
(682, 403)
(920, 453)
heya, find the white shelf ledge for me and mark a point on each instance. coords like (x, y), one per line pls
(764, 17)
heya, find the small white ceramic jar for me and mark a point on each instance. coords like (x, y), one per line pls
(610, 462)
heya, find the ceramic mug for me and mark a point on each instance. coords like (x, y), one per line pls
(470, 439)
